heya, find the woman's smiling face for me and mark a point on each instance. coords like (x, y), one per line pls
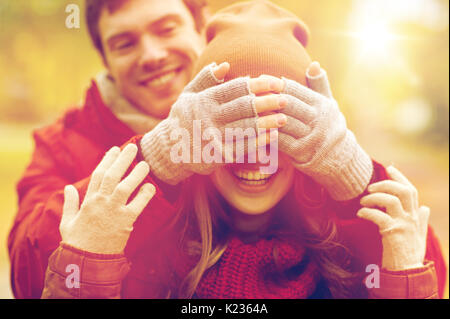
(249, 191)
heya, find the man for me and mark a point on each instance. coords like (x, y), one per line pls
(149, 48)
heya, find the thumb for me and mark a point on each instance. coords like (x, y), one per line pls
(318, 80)
(71, 202)
(209, 76)
(221, 71)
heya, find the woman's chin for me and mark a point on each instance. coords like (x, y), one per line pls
(253, 208)
(249, 191)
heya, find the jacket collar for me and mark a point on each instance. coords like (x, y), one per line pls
(98, 122)
(106, 124)
(126, 112)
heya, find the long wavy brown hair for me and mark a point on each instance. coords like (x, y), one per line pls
(203, 216)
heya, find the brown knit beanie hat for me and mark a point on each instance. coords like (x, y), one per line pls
(257, 37)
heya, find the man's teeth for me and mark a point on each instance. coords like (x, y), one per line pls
(252, 177)
(163, 79)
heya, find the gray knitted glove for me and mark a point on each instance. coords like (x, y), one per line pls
(104, 221)
(317, 139)
(404, 225)
(205, 109)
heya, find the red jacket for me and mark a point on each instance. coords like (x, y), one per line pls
(69, 150)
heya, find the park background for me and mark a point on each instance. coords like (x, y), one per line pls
(387, 60)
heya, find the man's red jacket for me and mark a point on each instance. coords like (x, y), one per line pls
(68, 151)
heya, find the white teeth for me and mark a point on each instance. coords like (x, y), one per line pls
(252, 177)
(161, 80)
(254, 183)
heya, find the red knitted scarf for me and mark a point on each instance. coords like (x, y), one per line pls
(251, 271)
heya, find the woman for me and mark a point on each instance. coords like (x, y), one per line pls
(238, 233)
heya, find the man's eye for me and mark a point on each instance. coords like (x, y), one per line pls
(123, 45)
(168, 30)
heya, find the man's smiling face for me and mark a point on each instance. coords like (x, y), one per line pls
(150, 47)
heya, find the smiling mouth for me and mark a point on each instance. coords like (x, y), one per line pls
(162, 79)
(252, 177)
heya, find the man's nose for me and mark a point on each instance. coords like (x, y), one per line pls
(153, 53)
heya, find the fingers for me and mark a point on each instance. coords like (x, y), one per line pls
(246, 149)
(390, 203)
(100, 170)
(129, 184)
(213, 74)
(401, 191)
(114, 174)
(302, 93)
(376, 216)
(71, 202)
(296, 114)
(245, 86)
(238, 109)
(269, 103)
(318, 80)
(141, 200)
(396, 175)
(272, 121)
(266, 137)
(206, 78)
(221, 71)
(299, 115)
(314, 69)
(295, 128)
(266, 84)
(299, 110)
(229, 91)
(237, 112)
